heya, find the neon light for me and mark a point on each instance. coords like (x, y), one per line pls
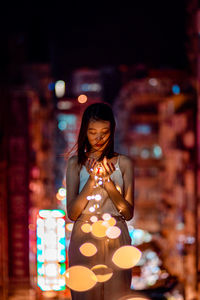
(60, 88)
(58, 213)
(51, 250)
(44, 213)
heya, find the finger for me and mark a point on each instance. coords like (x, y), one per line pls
(94, 162)
(112, 167)
(103, 168)
(91, 162)
(105, 161)
(106, 167)
(90, 165)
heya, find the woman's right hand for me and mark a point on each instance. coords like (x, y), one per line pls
(90, 166)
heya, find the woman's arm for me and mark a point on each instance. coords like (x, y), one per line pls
(76, 202)
(124, 203)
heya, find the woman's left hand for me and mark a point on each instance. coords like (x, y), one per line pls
(108, 169)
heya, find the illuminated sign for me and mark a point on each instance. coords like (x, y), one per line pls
(51, 250)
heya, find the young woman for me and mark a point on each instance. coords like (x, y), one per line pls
(100, 189)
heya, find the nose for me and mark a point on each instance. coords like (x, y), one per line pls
(99, 137)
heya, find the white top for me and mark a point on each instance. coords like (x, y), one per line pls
(100, 202)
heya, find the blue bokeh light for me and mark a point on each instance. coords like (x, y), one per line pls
(176, 89)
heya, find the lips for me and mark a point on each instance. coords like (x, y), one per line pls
(99, 145)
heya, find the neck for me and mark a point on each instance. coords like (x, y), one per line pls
(95, 154)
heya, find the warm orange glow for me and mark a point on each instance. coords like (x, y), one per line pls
(86, 228)
(99, 229)
(102, 272)
(82, 98)
(126, 257)
(111, 222)
(69, 226)
(113, 232)
(59, 197)
(88, 249)
(80, 278)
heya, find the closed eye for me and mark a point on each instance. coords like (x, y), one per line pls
(106, 132)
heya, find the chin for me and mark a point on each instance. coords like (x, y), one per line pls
(99, 149)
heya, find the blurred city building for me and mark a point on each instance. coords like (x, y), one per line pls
(156, 127)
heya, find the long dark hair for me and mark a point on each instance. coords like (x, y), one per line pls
(99, 111)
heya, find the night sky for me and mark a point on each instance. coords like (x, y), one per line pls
(71, 36)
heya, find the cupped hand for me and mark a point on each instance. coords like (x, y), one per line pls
(90, 166)
(108, 168)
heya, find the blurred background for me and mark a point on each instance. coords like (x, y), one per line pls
(143, 59)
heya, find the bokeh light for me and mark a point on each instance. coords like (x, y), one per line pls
(92, 209)
(60, 88)
(59, 197)
(97, 197)
(80, 278)
(62, 192)
(82, 98)
(88, 249)
(157, 151)
(69, 226)
(153, 81)
(62, 125)
(93, 219)
(113, 232)
(126, 257)
(64, 105)
(145, 153)
(176, 89)
(99, 229)
(106, 217)
(102, 272)
(96, 206)
(86, 228)
(111, 222)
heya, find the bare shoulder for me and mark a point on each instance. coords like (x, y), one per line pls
(125, 163)
(125, 160)
(73, 162)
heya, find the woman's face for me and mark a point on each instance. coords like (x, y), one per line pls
(98, 133)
